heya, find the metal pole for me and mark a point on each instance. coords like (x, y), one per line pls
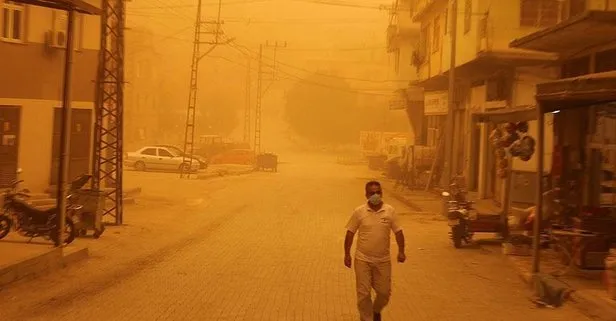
(448, 152)
(539, 196)
(65, 130)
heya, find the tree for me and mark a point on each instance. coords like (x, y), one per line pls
(323, 110)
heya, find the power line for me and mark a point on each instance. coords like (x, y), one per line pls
(322, 74)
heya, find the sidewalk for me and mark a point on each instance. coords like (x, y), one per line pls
(589, 294)
(21, 260)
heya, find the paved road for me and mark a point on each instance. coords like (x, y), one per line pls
(272, 250)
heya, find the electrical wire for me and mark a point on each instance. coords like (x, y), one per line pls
(277, 61)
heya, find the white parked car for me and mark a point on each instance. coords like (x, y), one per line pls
(159, 158)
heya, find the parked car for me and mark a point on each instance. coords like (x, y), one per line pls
(203, 162)
(158, 158)
(234, 156)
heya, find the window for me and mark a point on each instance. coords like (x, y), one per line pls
(539, 13)
(164, 153)
(576, 67)
(13, 22)
(436, 36)
(446, 21)
(605, 61)
(423, 43)
(468, 14)
(149, 151)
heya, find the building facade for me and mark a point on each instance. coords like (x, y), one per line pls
(402, 36)
(489, 74)
(32, 46)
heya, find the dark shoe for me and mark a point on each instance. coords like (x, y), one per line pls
(376, 317)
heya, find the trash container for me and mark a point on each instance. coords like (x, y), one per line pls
(90, 216)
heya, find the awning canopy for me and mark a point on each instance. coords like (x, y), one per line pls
(590, 29)
(577, 91)
(80, 6)
(506, 115)
(487, 64)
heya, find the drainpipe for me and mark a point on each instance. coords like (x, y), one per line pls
(65, 129)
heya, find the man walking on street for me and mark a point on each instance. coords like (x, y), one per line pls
(373, 222)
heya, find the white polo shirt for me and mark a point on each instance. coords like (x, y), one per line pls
(373, 229)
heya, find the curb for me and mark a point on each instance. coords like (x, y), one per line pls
(224, 173)
(395, 194)
(590, 305)
(41, 264)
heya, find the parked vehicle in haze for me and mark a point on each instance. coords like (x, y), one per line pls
(234, 156)
(203, 162)
(377, 147)
(160, 158)
(29, 221)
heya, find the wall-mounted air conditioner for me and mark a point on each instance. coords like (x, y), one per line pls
(56, 39)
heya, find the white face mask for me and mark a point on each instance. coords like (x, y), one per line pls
(375, 199)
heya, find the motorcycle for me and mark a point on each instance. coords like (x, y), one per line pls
(465, 221)
(29, 221)
(458, 212)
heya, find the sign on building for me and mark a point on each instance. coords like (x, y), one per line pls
(436, 103)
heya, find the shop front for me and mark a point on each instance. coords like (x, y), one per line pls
(584, 168)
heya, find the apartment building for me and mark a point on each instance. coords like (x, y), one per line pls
(32, 46)
(402, 38)
(489, 74)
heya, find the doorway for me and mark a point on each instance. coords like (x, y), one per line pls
(80, 133)
(10, 117)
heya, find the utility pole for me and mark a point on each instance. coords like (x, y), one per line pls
(257, 145)
(189, 134)
(248, 102)
(261, 92)
(107, 163)
(448, 166)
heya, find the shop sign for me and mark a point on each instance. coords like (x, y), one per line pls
(398, 101)
(436, 103)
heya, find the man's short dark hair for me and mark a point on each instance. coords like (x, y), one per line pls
(372, 183)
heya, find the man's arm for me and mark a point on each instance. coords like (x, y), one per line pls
(400, 241)
(348, 242)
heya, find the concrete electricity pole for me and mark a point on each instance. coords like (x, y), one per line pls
(260, 91)
(189, 135)
(448, 166)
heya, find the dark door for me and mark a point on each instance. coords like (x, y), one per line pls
(79, 160)
(9, 143)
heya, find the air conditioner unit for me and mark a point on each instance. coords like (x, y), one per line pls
(56, 39)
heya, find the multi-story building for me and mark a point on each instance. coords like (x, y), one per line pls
(402, 36)
(32, 46)
(489, 74)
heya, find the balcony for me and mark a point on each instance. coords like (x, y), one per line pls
(422, 7)
(398, 35)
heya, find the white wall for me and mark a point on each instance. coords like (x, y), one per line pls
(524, 95)
(35, 139)
(40, 20)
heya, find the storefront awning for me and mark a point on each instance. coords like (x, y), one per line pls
(80, 6)
(577, 91)
(590, 29)
(487, 64)
(506, 115)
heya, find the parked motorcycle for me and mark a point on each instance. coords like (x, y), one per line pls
(29, 221)
(458, 212)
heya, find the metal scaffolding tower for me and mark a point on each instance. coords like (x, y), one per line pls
(107, 160)
(261, 91)
(247, 108)
(257, 146)
(189, 135)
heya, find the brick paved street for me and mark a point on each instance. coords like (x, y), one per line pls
(269, 247)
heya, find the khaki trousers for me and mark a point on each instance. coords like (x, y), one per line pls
(370, 276)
